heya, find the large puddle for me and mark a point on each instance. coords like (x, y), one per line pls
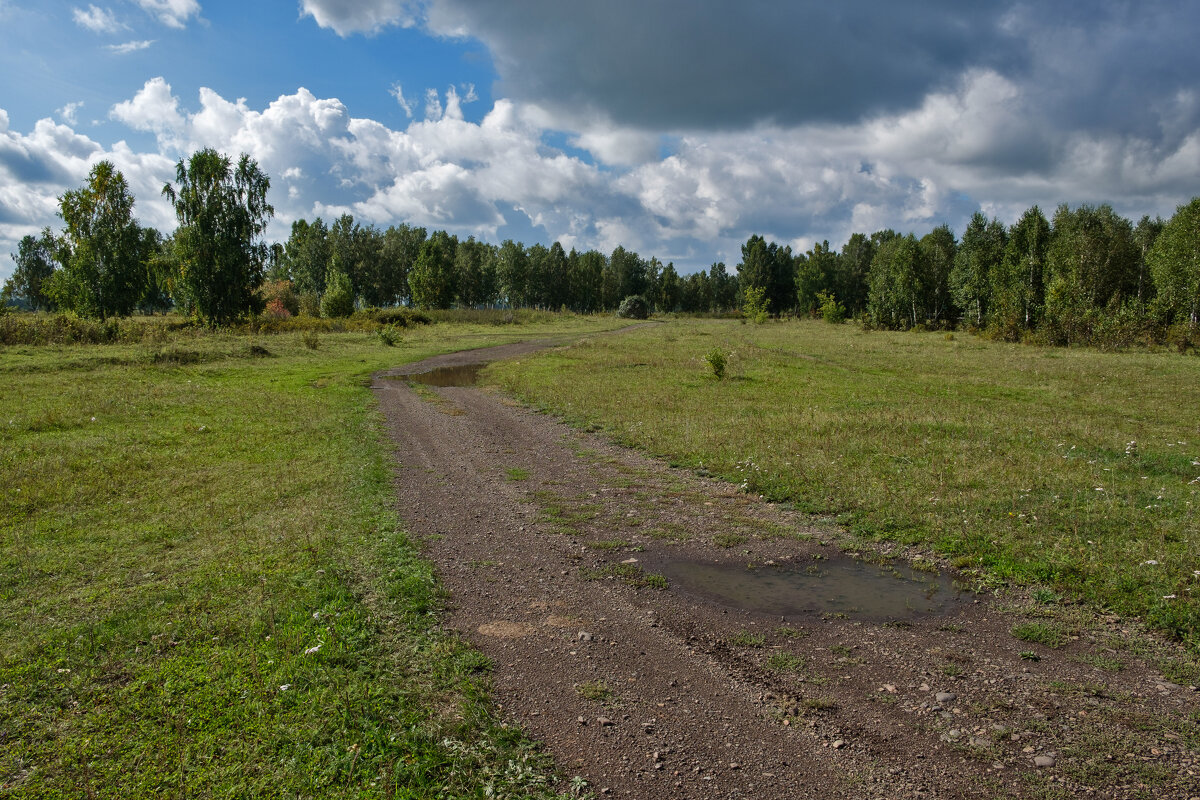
(458, 375)
(838, 587)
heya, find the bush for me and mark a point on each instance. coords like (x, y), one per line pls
(389, 335)
(832, 311)
(309, 304)
(754, 304)
(716, 360)
(634, 307)
(338, 300)
(310, 338)
(279, 299)
(401, 317)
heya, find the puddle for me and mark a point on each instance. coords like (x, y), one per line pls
(841, 586)
(458, 375)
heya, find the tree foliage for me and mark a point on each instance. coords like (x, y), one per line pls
(99, 250)
(35, 262)
(1175, 265)
(223, 212)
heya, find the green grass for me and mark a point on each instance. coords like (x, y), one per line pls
(205, 589)
(1011, 460)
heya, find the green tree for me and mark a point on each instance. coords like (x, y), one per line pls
(223, 212)
(895, 291)
(338, 300)
(850, 281)
(724, 287)
(816, 272)
(979, 253)
(400, 249)
(769, 267)
(1144, 236)
(669, 288)
(35, 263)
(101, 274)
(587, 280)
(938, 249)
(306, 255)
(512, 272)
(1092, 261)
(1018, 284)
(433, 280)
(476, 264)
(1175, 265)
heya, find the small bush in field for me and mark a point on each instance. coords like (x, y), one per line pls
(310, 338)
(389, 335)
(634, 307)
(717, 361)
(832, 311)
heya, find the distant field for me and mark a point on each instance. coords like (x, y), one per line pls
(204, 588)
(1071, 468)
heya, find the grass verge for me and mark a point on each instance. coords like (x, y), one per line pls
(205, 590)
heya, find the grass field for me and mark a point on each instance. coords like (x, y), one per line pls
(204, 587)
(1071, 469)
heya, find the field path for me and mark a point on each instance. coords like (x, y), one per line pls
(549, 541)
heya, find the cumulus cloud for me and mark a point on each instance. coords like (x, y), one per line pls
(154, 108)
(172, 13)
(347, 17)
(67, 113)
(97, 20)
(130, 47)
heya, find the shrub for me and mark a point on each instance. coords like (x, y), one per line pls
(832, 311)
(338, 300)
(634, 307)
(717, 360)
(389, 335)
(309, 304)
(310, 338)
(754, 304)
(279, 297)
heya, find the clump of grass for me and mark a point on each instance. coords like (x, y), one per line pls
(1039, 633)
(784, 661)
(1106, 663)
(597, 691)
(790, 632)
(630, 574)
(608, 544)
(747, 639)
(729, 539)
(310, 338)
(516, 474)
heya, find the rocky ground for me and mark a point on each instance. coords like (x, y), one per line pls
(554, 545)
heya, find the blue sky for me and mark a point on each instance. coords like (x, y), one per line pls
(674, 129)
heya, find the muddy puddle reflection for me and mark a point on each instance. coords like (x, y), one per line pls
(458, 375)
(838, 586)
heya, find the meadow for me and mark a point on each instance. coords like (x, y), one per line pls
(1073, 471)
(205, 587)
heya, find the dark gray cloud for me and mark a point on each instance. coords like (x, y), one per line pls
(722, 64)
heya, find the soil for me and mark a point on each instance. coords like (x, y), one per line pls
(552, 543)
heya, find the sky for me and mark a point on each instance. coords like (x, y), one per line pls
(674, 129)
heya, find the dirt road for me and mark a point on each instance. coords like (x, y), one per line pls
(555, 546)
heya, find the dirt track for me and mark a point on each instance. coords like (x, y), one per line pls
(646, 692)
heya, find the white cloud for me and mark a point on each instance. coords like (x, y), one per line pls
(347, 17)
(172, 13)
(153, 108)
(97, 20)
(67, 113)
(433, 104)
(130, 47)
(398, 93)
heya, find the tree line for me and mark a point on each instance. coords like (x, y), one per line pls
(1072, 277)
(1076, 277)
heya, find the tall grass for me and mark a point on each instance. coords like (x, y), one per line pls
(1070, 467)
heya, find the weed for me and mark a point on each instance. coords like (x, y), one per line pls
(608, 544)
(785, 662)
(729, 539)
(1106, 663)
(789, 632)
(716, 360)
(747, 639)
(596, 691)
(1039, 633)
(310, 339)
(516, 474)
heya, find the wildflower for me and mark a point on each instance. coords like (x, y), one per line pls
(1151, 562)
(313, 650)
(285, 687)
